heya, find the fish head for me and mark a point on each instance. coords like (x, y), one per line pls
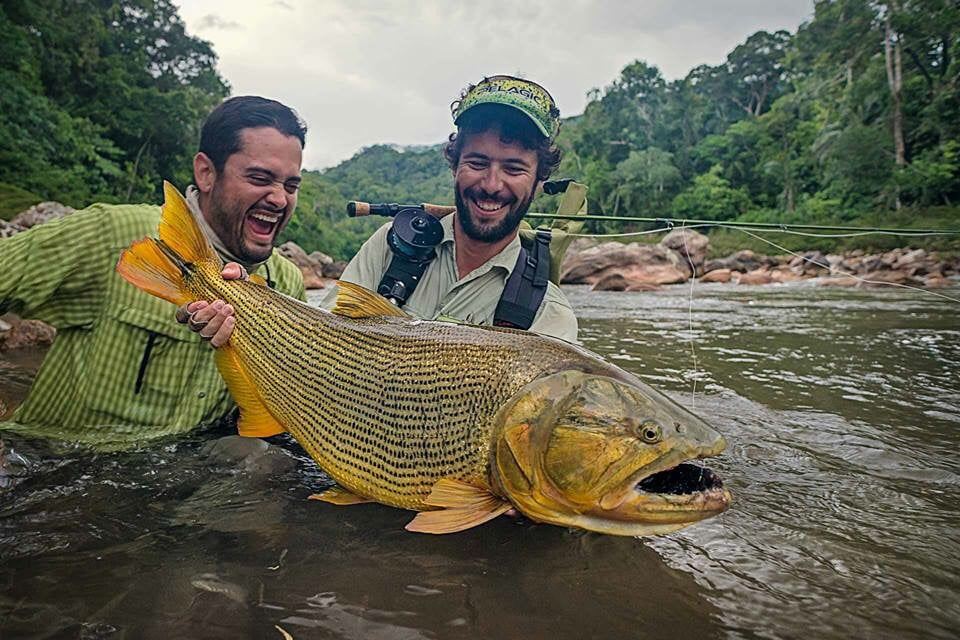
(605, 454)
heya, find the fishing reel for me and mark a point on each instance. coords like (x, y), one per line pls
(413, 238)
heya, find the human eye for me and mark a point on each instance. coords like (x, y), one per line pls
(291, 187)
(259, 179)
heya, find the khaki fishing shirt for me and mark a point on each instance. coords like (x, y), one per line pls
(443, 294)
(121, 370)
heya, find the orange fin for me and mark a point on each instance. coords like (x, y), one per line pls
(339, 495)
(256, 278)
(180, 231)
(463, 506)
(255, 421)
(147, 266)
(354, 301)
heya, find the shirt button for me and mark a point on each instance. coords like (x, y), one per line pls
(201, 394)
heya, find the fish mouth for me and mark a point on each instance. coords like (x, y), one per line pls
(683, 479)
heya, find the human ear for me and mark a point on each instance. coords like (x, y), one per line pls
(204, 172)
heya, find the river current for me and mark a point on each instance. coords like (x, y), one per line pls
(841, 409)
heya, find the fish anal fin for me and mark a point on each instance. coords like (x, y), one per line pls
(180, 231)
(255, 421)
(340, 496)
(463, 506)
(354, 301)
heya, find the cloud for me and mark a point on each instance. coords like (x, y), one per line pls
(362, 72)
(212, 21)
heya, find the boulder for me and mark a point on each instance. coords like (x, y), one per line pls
(8, 229)
(690, 245)
(741, 261)
(887, 276)
(637, 263)
(758, 276)
(838, 281)
(312, 266)
(40, 213)
(616, 282)
(717, 275)
(334, 270)
(16, 333)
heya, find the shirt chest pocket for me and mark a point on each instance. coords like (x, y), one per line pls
(140, 364)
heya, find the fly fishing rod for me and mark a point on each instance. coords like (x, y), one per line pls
(359, 209)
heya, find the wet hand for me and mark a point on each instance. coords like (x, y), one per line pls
(213, 321)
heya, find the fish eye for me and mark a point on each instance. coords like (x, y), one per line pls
(650, 432)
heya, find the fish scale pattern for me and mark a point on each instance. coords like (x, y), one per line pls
(387, 406)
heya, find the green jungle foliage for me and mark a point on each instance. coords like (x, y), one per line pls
(854, 119)
(101, 99)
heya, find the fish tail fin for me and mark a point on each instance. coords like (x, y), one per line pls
(148, 265)
(159, 266)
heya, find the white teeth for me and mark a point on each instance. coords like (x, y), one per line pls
(492, 206)
(265, 218)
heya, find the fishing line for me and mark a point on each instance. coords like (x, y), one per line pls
(854, 276)
(693, 347)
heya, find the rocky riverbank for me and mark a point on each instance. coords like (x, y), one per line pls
(681, 255)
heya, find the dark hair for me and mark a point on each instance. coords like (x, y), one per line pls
(514, 126)
(220, 135)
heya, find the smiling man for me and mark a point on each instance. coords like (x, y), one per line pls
(501, 153)
(120, 372)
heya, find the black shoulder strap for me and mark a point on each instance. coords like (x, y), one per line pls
(526, 285)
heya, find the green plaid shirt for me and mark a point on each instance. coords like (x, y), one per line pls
(121, 369)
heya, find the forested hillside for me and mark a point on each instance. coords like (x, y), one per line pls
(854, 118)
(99, 100)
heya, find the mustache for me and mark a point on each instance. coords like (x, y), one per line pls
(476, 193)
(263, 206)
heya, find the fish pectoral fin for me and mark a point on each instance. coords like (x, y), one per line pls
(339, 495)
(255, 421)
(354, 301)
(256, 278)
(462, 506)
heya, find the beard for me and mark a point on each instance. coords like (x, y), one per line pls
(493, 232)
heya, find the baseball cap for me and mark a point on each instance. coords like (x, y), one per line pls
(530, 98)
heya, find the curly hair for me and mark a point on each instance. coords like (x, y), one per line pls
(514, 127)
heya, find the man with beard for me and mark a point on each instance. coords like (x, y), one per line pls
(119, 372)
(501, 153)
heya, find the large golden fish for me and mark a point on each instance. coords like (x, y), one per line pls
(458, 422)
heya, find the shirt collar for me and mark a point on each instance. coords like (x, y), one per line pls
(506, 259)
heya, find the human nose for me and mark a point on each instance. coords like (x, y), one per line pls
(492, 179)
(277, 195)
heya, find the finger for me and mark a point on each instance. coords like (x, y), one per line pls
(232, 271)
(224, 332)
(182, 314)
(196, 305)
(210, 327)
(207, 313)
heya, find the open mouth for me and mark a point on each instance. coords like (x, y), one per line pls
(263, 225)
(683, 479)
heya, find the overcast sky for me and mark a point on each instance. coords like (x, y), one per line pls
(362, 72)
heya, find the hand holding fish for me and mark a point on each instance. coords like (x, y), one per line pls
(213, 321)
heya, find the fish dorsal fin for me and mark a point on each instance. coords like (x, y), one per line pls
(180, 231)
(462, 506)
(354, 301)
(256, 278)
(255, 421)
(339, 495)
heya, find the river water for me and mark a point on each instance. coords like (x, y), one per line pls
(842, 413)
